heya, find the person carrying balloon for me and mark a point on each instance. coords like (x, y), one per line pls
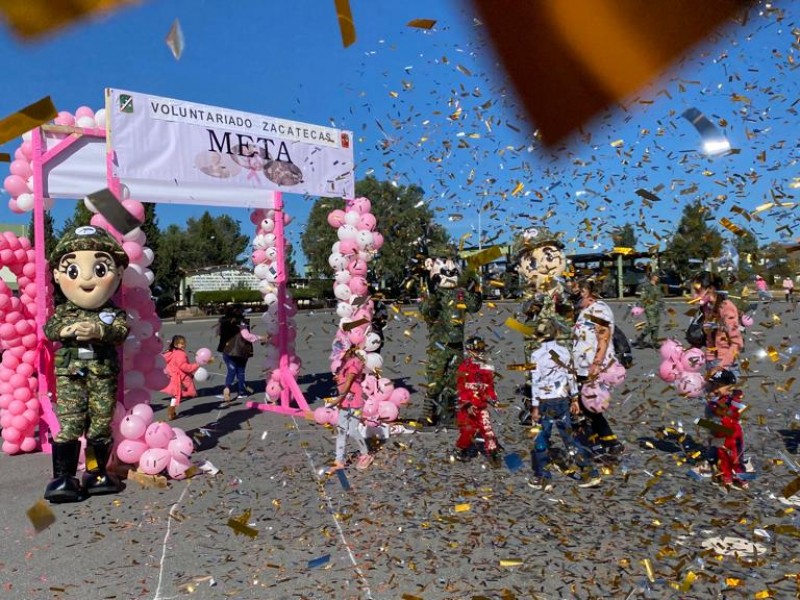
(349, 377)
(555, 402)
(180, 371)
(475, 389)
(88, 265)
(720, 323)
(724, 407)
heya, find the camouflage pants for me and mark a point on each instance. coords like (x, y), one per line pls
(651, 329)
(85, 404)
(440, 398)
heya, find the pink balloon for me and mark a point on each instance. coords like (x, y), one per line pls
(669, 370)
(274, 389)
(668, 347)
(357, 267)
(154, 460)
(387, 411)
(614, 375)
(637, 311)
(64, 118)
(747, 320)
(595, 397)
(11, 434)
(28, 444)
(361, 204)
(19, 422)
(690, 385)
(130, 451)
(10, 448)
(259, 256)
(21, 395)
(158, 435)
(400, 396)
(84, 111)
(21, 168)
(348, 247)
(144, 412)
(132, 427)
(693, 360)
(133, 250)
(134, 207)
(17, 407)
(367, 222)
(370, 408)
(377, 240)
(356, 336)
(177, 468)
(322, 415)
(182, 445)
(202, 356)
(336, 218)
(16, 185)
(27, 149)
(358, 285)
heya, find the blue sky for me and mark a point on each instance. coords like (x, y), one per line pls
(432, 108)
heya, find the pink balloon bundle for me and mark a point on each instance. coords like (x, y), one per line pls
(682, 368)
(637, 311)
(326, 415)
(613, 375)
(154, 446)
(19, 405)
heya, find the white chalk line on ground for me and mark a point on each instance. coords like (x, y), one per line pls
(172, 508)
(336, 522)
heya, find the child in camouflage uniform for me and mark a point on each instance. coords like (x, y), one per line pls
(87, 266)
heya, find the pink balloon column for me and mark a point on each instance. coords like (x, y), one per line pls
(265, 267)
(357, 245)
(19, 405)
(19, 184)
(154, 446)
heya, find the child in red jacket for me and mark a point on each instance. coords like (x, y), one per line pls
(475, 386)
(724, 407)
(180, 371)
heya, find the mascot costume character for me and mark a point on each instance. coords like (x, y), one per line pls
(451, 295)
(87, 266)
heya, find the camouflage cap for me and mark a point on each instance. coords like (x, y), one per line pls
(535, 237)
(89, 238)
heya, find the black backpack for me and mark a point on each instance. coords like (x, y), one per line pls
(622, 348)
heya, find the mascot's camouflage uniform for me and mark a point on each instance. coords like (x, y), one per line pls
(87, 266)
(541, 265)
(451, 295)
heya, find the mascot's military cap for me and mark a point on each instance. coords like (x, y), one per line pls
(443, 251)
(535, 237)
(88, 238)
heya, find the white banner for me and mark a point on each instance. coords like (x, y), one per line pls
(195, 146)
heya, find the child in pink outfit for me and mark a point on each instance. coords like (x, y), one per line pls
(349, 377)
(180, 371)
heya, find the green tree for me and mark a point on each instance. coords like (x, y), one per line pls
(404, 220)
(168, 265)
(214, 241)
(49, 233)
(694, 242)
(80, 217)
(624, 237)
(746, 247)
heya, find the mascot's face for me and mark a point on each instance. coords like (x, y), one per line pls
(443, 272)
(87, 278)
(542, 264)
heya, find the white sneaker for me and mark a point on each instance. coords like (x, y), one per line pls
(592, 482)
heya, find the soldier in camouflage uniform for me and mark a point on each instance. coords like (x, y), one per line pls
(652, 299)
(541, 265)
(452, 294)
(87, 267)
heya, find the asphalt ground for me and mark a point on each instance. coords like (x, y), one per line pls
(416, 524)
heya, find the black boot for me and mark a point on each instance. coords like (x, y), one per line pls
(65, 487)
(98, 481)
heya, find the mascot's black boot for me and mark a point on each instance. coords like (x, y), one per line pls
(65, 487)
(97, 480)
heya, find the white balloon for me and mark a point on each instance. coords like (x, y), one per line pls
(261, 271)
(135, 235)
(266, 287)
(342, 292)
(201, 374)
(271, 254)
(335, 247)
(85, 121)
(30, 183)
(345, 310)
(100, 118)
(342, 276)
(270, 298)
(27, 136)
(148, 274)
(267, 225)
(352, 217)
(347, 232)
(25, 202)
(259, 243)
(90, 206)
(147, 256)
(269, 240)
(364, 239)
(372, 342)
(373, 361)
(338, 261)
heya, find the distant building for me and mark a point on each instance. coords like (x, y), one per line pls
(5, 274)
(219, 278)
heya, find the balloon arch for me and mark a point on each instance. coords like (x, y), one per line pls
(70, 158)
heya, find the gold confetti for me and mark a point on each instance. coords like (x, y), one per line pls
(518, 189)
(732, 227)
(175, 41)
(239, 525)
(763, 594)
(462, 507)
(617, 143)
(688, 581)
(512, 323)
(510, 562)
(346, 25)
(25, 119)
(40, 516)
(521, 366)
(422, 23)
(773, 354)
(791, 489)
(648, 567)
